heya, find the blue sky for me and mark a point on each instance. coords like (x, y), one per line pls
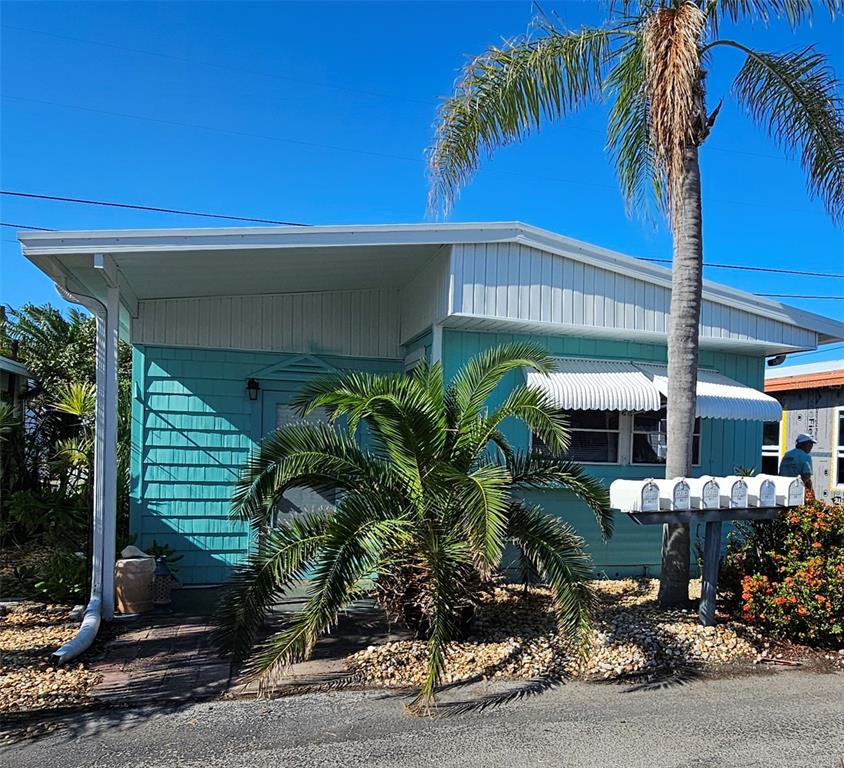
(321, 112)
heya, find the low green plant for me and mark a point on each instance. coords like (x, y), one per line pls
(62, 577)
(788, 575)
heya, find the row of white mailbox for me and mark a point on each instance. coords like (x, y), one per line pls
(707, 492)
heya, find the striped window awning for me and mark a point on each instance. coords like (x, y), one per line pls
(620, 385)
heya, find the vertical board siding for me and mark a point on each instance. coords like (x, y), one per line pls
(518, 282)
(359, 323)
(193, 428)
(633, 549)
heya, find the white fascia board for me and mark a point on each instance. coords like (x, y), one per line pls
(470, 322)
(51, 244)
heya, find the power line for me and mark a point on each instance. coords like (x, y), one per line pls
(23, 226)
(176, 211)
(152, 208)
(745, 268)
(799, 296)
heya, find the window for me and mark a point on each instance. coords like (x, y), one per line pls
(650, 438)
(838, 458)
(770, 447)
(594, 437)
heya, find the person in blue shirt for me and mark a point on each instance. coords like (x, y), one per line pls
(798, 462)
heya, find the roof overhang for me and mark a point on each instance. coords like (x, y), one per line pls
(13, 366)
(187, 263)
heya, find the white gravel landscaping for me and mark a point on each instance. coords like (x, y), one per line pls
(514, 637)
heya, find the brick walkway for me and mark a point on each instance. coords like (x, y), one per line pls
(158, 658)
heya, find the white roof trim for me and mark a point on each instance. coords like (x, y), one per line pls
(581, 384)
(13, 366)
(51, 244)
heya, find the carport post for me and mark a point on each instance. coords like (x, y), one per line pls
(109, 465)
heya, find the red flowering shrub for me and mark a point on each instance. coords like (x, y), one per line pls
(788, 575)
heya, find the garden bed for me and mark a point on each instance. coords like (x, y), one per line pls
(30, 680)
(514, 637)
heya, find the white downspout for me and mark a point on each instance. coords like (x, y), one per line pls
(94, 610)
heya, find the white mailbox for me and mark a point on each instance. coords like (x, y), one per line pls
(761, 492)
(634, 495)
(674, 494)
(705, 492)
(733, 492)
(790, 491)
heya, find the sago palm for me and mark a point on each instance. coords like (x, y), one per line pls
(650, 61)
(427, 488)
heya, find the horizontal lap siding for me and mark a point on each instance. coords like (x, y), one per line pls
(634, 549)
(525, 284)
(193, 428)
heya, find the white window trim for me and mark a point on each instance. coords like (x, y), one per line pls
(775, 450)
(621, 431)
(837, 445)
(634, 431)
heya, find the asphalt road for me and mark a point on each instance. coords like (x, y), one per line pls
(790, 718)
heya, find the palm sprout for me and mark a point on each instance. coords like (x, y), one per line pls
(428, 500)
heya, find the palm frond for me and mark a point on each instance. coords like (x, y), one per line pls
(282, 557)
(538, 412)
(534, 470)
(794, 11)
(505, 93)
(558, 555)
(796, 97)
(316, 456)
(483, 497)
(629, 132)
(355, 536)
(471, 387)
(77, 399)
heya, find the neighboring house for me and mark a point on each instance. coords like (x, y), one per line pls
(228, 323)
(14, 381)
(812, 398)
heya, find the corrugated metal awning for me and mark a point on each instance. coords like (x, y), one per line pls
(580, 384)
(719, 397)
(597, 385)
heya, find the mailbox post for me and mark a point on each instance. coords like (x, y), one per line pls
(685, 502)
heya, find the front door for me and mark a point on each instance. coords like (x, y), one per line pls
(277, 412)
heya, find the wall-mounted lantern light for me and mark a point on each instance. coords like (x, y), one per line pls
(252, 389)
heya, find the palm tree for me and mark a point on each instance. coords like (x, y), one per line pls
(427, 506)
(650, 59)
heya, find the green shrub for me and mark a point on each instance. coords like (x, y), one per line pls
(788, 575)
(62, 577)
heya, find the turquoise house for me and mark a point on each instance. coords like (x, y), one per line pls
(227, 324)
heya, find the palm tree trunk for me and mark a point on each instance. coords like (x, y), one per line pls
(686, 284)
